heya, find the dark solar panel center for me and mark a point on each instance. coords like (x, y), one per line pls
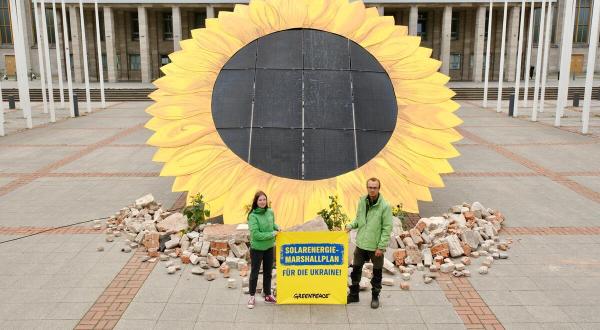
(304, 104)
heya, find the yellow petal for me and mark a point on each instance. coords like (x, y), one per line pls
(415, 70)
(377, 35)
(428, 116)
(316, 196)
(372, 21)
(180, 84)
(421, 92)
(349, 17)
(426, 147)
(181, 110)
(182, 132)
(264, 16)
(189, 61)
(213, 40)
(155, 123)
(292, 13)
(395, 49)
(191, 159)
(239, 26)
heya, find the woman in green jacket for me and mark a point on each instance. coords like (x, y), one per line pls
(263, 230)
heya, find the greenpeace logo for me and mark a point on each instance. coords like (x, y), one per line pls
(311, 295)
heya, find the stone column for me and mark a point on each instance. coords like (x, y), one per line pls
(512, 42)
(27, 18)
(479, 44)
(210, 12)
(380, 10)
(144, 44)
(412, 20)
(76, 43)
(109, 39)
(445, 46)
(176, 28)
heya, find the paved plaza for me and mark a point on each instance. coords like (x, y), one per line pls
(544, 179)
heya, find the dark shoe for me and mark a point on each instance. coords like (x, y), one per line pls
(352, 298)
(375, 302)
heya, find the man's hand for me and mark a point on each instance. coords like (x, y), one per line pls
(378, 253)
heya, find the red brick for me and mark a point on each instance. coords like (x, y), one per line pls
(440, 249)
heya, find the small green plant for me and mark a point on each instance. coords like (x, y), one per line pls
(399, 213)
(334, 217)
(196, 212)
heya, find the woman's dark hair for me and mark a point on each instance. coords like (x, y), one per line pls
(255, 200)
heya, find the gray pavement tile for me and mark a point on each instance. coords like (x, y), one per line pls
(68, 311)
(446, 326)
(517, 283)
(589, 326)
(25, 311)
(143, 311)
(217, 313)
(571, 298)
(82, 295)
(430, 298)
(340, 326)
(583, 314)
(328, 314)
(562, 157)
(402, 314)
(199, 295)
(512, 314)
(218, 296)
(404, 326)
(365, 314)
(561, 326)
(532, 298)
(20, 324)
(548, 314)
(394, 298)
(500, 298)
(31, 159)
(522, 326)
(125, 324)
(183, 312)
(148, 293)
(374, 326)
(481, 159)
(174, 324)
(259, 314)
(56, 324)
(436, 314)
(298, 314)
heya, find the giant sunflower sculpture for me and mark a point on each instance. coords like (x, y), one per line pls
(303, 99)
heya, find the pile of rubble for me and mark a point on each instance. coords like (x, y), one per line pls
(446, 244)
(167, 236)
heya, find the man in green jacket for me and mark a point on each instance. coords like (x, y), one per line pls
(374, 224)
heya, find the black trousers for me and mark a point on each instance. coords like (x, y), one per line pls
(360, 257)
(266, 257)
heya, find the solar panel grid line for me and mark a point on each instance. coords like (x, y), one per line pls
(252, 107)
(353, 110)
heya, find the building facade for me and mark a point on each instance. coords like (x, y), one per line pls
(137, 37)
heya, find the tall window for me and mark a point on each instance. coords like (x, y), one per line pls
(199, 20)
(454, 26)
(167, 22)
(5, 27)
(50, 26)
(135, 27)
(422, 26)
(101, 23)
(135, 63)
(537, 16)
(582, 21)
(455, 61)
